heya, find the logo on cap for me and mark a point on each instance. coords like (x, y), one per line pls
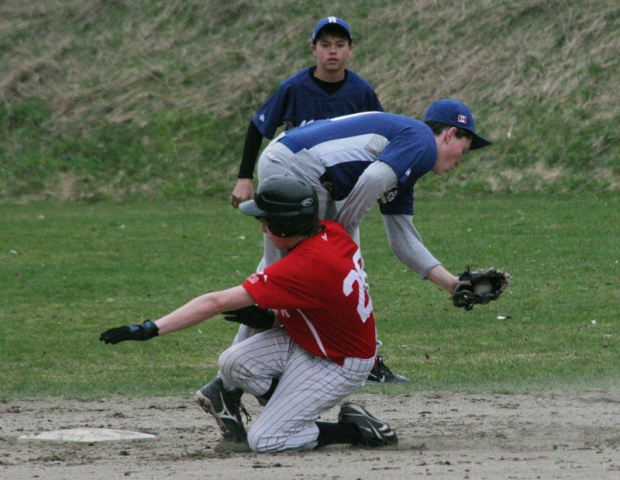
(462, 119)
(332, 19)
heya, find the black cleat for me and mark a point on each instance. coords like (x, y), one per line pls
(225, 407)
(374, 433)
(382, 374)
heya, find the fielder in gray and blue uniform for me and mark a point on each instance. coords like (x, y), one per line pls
(356, 161)
(352, 163)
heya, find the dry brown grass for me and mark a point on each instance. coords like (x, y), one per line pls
(119, 61)
(200, 55)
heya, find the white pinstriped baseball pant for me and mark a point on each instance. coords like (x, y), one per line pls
(309, 386)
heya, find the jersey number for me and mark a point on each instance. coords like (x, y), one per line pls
(364, 303)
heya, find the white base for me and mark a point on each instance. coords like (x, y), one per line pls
(88, 435)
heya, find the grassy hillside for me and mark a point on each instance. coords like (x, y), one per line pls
(111, 98)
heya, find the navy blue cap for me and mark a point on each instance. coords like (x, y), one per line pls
(455, 114)
(331, 21)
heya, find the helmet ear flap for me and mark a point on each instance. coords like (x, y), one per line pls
(278, 229)
(293, 226)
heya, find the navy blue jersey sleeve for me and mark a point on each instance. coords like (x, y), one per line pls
(272, 114)
(412, 153)
(370, 99)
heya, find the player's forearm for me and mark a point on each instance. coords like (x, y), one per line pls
(202, 308)
(442, 277)
(190, 314)
(251, 147)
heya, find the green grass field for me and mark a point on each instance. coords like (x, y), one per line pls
(69, 271)
(125, 108)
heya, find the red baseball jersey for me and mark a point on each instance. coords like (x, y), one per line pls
(320, 294)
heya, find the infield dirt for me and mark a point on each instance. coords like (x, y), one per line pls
(550, 435)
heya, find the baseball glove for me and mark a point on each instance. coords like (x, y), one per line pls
(480, 287)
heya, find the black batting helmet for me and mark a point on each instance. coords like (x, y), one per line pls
(289, 205)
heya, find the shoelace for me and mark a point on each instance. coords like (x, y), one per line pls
(248, 417)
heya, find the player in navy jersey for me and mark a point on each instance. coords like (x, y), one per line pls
(356, 161)
(326, 90)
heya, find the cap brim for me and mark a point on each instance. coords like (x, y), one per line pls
(479, 142)
(250, 208)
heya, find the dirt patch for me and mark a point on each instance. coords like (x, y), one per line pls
(551, 435)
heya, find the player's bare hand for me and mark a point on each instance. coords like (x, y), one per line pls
(243, 192)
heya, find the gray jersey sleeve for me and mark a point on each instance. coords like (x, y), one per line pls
(404, 239)
(406, 243)
(377, 179)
